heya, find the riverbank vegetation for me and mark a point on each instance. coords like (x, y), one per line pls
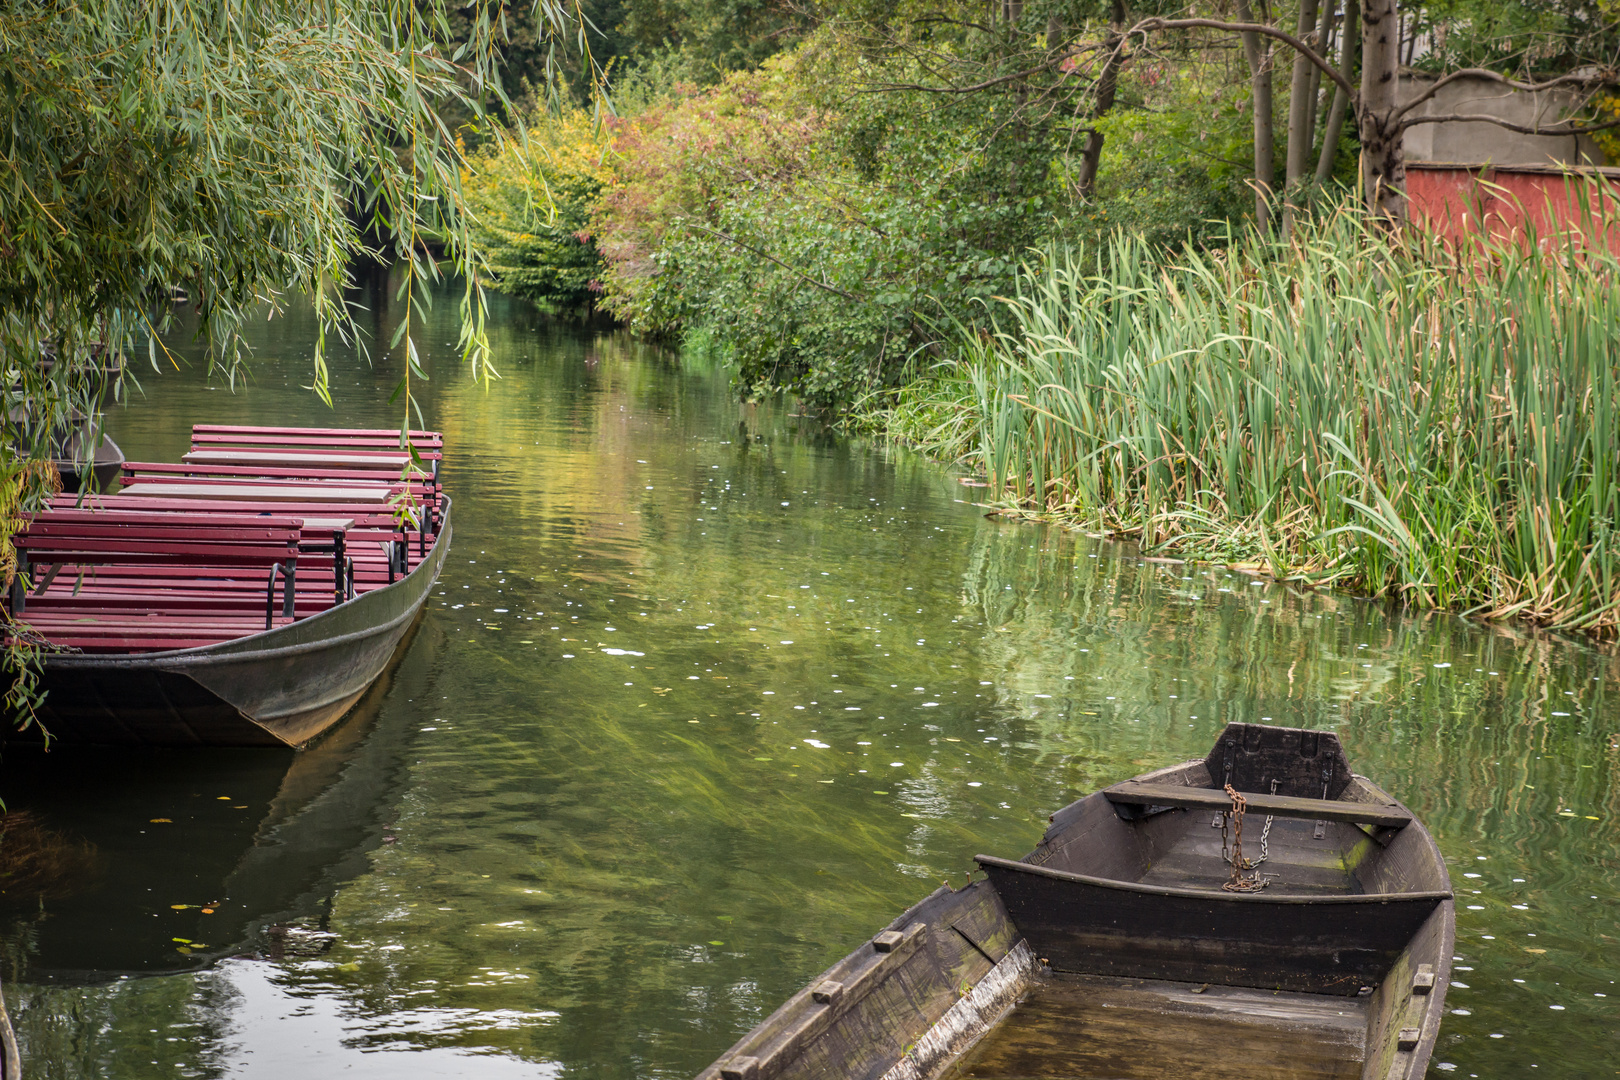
(1353, 408)
(1062, 245)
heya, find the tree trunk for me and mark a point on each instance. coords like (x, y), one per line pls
(1324, 48)
(1383, 161)
(1258, 53)
(1300, 137)
(1107, 88)
(1350, 41)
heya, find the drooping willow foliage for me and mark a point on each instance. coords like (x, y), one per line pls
(245, 151)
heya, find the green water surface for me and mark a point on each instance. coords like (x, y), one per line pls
(706, 695)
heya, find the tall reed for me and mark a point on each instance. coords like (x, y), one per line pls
(1385, 413)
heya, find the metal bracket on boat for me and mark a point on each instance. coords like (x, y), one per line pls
(288, 570)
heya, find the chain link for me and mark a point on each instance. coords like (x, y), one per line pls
(1243, 878)
(1265, 834)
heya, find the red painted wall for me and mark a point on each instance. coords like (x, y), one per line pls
(1550, 206)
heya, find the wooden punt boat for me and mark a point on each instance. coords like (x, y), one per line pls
(234, 609)
(95, 469)
(1114, 949)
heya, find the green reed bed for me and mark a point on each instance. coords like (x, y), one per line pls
(1355, 409)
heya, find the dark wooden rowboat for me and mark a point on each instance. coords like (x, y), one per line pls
(1114, 950)
(99, 473)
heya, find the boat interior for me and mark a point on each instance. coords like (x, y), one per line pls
(256, 528)
(1089, 1027)
(1189, 846)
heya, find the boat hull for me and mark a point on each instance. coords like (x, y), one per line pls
(1313, 944)
(1079, 961)
(283, 687)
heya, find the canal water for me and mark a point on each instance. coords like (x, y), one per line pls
(706, 695)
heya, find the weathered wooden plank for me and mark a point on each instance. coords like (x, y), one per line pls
(1133, 793)
(291, 459)
(857, 1019)
(1289, 761)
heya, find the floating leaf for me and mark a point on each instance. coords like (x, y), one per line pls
(162, 821)
(182, 940)
(716, 943)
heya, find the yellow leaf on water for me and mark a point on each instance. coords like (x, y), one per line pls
(162, 821)
(182, 940)
(180, 907)
(1538, 952)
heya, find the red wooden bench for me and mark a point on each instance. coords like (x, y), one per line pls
(211, 545)
(344, 442)
(133, 470)
(371, 523)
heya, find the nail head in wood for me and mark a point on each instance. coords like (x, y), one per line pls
(1407, 1039)
(741, 1067)
(827, 992)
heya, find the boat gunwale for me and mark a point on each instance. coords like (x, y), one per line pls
(1212, 893)
(209, 655)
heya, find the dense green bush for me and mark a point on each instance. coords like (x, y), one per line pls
(818, 231)
(532, 199)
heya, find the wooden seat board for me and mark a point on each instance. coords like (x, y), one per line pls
(263, 493)
(293, 459)
(1134, 793)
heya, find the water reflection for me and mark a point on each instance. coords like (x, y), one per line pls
(707, 693)
(138, 862)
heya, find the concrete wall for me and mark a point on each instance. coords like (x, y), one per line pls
(1479, 143)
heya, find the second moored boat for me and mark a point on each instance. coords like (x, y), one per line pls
(1139, 941)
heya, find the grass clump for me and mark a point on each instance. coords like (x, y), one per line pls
(1378, 412)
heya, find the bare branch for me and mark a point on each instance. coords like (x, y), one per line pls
(1522, 129)
(987, 84)
(1491, 76)
(835, 290)
(1149, 25)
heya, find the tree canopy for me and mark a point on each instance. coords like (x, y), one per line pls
(243, 150)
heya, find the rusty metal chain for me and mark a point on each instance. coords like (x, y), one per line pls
(1243, 878)
(1265, 834)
